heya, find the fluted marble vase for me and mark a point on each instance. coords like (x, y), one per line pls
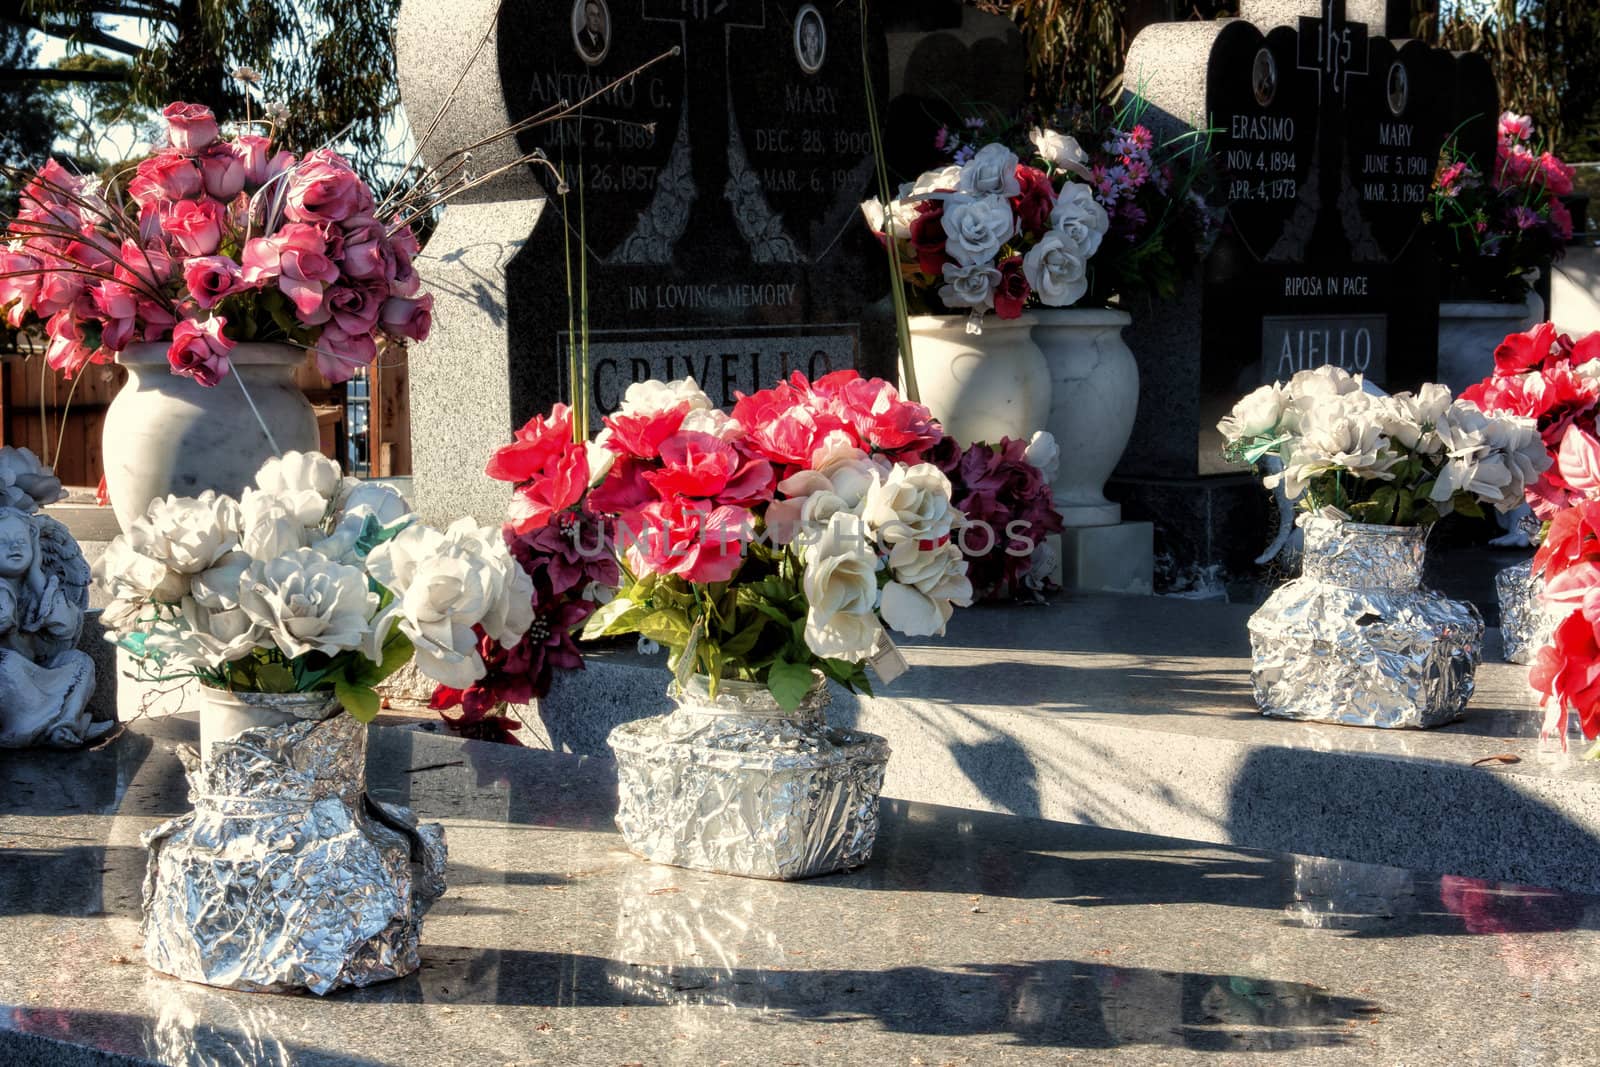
(165, 433)
(1094, 396)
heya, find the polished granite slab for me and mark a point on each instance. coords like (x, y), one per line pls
(971, 938)
(1136, 713)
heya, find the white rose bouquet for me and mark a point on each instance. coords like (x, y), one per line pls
(762, 547)
(309, 581)
(1403, 460)
(1028, 216)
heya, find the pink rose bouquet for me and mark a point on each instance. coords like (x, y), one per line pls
(212, 242)
(761, 545)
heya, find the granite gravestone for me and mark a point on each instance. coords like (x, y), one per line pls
(719, 210)
(724, 240)
(1325, 135)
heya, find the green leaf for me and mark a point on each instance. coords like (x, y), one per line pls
(744, 642)
(275, 678)
(397, 651)
(666, 627)
(359, 700)
(620, 616)
(789, 683)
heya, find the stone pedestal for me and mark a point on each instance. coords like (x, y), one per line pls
(1108, 559)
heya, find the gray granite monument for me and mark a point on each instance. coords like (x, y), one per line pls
(712, 203)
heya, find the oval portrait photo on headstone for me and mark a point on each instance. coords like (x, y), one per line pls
(1399, 88)
(810, 39)
(591, 30)
(1264, 77)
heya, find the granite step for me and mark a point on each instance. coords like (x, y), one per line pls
(1135, 713)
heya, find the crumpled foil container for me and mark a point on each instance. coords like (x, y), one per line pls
(287, 876)
(1357, 640)
(1526, 624)
(736, 785)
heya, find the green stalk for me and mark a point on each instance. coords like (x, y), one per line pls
(897, 292)
(572, 328)
(583, 294)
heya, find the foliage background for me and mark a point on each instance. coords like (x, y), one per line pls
(1546, 53)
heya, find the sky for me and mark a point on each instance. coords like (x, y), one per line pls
(119, 142)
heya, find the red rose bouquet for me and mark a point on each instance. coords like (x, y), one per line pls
(760, 546)
(211, 242)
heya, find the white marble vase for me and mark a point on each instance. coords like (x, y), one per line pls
(1094, 395)
(981, 387)
(165, 433)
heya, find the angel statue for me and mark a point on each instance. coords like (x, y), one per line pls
(46, 682)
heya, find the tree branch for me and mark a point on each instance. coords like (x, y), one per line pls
(52, 74)
(84, 32)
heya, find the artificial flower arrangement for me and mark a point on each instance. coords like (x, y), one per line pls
(211, 242)
(1005, 489)
(990, 231)
(759, 546)
(1546, 376)
(1493, 231)
(309, 581)
(1402, 460)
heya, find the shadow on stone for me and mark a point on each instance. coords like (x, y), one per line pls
(1043, 1003)
(1406, 819)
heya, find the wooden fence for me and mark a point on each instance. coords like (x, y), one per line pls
(61, 421)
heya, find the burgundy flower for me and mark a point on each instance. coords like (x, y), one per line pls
(1013, 291)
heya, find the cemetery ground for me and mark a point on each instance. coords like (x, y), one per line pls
(1094, 849)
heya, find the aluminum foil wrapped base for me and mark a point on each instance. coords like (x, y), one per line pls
(1356, 640)
(1526, 625)
(736, 785)
(286, 876)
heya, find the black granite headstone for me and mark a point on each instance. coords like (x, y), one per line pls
(1327, 131)
(1328, 140)
(718, 215)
